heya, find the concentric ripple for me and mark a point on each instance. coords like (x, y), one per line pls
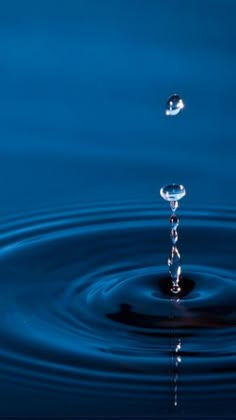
(85, 303)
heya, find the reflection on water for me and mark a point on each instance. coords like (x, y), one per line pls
(176, 357)
(177, 361)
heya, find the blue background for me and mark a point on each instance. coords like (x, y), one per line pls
(83, 90)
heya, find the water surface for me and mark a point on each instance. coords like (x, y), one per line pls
(88, 326)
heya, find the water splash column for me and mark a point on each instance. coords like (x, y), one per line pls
(173, 193)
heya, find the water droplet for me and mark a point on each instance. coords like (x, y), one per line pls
(175, 289)
(174, 105)
(172, 192)
(174, 221)
(174, 236)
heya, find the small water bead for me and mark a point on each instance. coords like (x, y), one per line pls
(174, 105)
(176, 288)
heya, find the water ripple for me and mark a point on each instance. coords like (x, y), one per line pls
(85, 301)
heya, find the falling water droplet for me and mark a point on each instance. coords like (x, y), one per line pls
(174, 105)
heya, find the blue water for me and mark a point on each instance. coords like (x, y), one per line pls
(88, 325)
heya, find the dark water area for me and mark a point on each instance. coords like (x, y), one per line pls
(87, 314)
(89, 326)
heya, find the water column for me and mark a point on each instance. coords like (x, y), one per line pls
(173, 193)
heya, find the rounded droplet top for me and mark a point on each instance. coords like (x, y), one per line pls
(174, 105)
(172, 192)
